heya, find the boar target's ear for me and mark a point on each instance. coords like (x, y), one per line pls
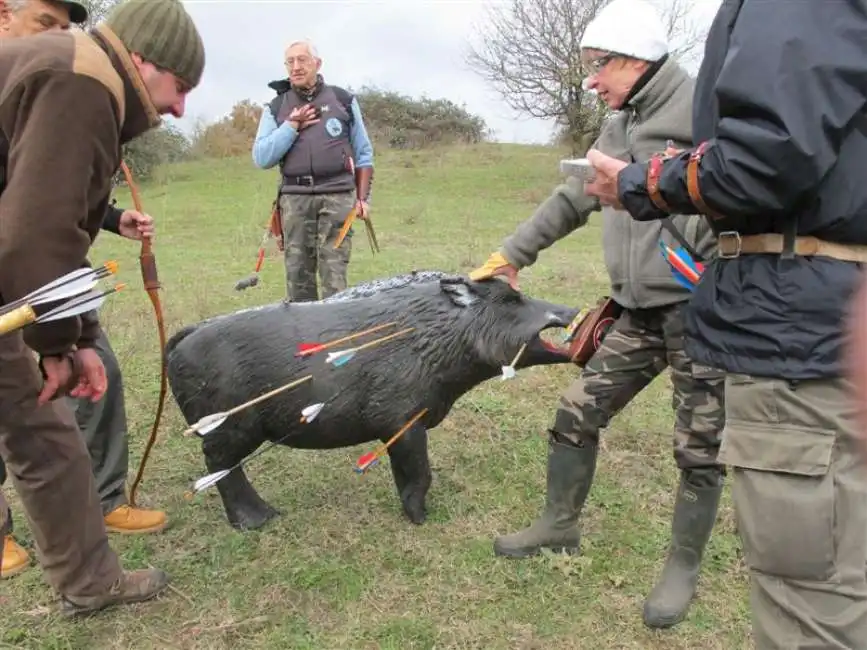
(458, 291)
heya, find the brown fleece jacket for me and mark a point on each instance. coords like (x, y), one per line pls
(68, 102)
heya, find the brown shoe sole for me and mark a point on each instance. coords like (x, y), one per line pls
(71, 610)
(138, 531)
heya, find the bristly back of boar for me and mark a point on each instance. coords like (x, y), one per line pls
(373, 287)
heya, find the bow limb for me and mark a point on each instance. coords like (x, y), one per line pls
(152, 285)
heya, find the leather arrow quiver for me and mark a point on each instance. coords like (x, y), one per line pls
(589, 329)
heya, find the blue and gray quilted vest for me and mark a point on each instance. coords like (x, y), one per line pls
(318, 161)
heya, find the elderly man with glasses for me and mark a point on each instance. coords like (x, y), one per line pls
(626, 58)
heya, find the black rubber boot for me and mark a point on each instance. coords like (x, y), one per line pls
(695, 512)
(570, 474)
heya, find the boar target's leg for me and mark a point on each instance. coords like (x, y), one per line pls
(410, 467)
(245, 509)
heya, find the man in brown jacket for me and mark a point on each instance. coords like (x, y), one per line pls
(103, 423)
(84, 95)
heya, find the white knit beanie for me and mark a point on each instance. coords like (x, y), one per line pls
(629, 27)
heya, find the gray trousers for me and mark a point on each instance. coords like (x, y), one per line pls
(104, 427)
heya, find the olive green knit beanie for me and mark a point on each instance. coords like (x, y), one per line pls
(162, 32)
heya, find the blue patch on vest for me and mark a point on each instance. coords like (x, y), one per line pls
(334, 127)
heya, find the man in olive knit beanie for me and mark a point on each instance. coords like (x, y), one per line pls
(162, 33)
(76, 98)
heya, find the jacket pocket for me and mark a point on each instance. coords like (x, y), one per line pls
(781, 447)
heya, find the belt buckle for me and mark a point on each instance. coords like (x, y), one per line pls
(304, 181)
(729, 235)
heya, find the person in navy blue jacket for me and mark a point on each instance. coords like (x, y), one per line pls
(780, 127)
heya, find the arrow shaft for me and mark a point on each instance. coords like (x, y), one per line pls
(399, 433)
(78, 305)
(261, 451)
(370, 344)
(249, 403)
(52, 287)
(518, 356)
(269, 394)
(330, 344)
(73, 288)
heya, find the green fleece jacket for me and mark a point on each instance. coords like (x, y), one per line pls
(640, 277)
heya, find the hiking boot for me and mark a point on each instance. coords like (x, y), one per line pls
(131, 587)
(135, 521)
(14, 559)
(570, 475)
(695, 512)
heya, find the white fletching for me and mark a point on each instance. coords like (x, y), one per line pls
(70, 290)
(334, 356)
(211, 479)
(75, 307)
(209, 423)
(508, 372)
(310, 412)
(66, 278)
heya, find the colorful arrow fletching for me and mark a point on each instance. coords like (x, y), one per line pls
(309, 348)
(338, 359)
(366, 461)
(685, 270)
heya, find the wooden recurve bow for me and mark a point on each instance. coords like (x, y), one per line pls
(152, 285)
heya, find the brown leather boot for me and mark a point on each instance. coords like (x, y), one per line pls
(131, 587)
(14, 559)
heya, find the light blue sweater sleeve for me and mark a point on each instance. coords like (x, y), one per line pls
(361, 145)
(272, 142)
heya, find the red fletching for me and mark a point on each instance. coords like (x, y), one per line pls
(366, 461)
(309, 348)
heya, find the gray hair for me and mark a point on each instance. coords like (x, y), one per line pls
(311, 48)
(16, 5)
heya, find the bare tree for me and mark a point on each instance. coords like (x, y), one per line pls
(685, 35)
(529, 52)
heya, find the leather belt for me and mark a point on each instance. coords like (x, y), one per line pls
(731, 244)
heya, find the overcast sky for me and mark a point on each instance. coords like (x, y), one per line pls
(415, 47)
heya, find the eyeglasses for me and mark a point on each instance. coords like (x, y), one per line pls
(595, 66)
(300, 60)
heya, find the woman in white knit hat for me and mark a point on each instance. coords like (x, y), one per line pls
(626, 59)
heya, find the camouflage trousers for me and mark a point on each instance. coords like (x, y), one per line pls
(638, 347)
(311, 224)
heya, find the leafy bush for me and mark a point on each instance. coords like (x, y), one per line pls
(392, 120)
(401, 122)
(143, 155)
(232, 135)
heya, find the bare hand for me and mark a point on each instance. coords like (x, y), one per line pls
(92, 381)
(670, 151)
(58, 373)
(362, 209)
(604, 185)
(303, 116)
(135, 225)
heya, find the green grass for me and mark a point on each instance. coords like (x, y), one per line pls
(342, 568)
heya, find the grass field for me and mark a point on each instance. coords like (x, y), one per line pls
(342, 568)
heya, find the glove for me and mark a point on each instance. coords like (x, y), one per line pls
(497, 265)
